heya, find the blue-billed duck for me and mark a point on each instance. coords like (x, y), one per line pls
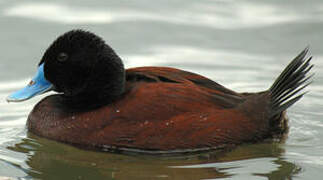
(155, 110)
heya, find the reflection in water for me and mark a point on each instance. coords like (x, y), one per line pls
(52, 160)
(286, 170)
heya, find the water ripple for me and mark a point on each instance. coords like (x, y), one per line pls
(235, 167)
(241, 15)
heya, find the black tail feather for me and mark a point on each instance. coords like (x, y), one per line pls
(290, 82)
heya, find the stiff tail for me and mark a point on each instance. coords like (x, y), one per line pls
(287, 88)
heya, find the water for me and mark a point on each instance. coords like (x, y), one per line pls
(242, 45)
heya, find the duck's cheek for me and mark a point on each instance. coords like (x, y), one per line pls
(73, 88)
(38, 85)
(71, 80)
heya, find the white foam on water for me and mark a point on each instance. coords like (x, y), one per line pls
(244, 15)
(11, 133)
(77, 15)
(240, 15)
(57, 13)
(13, 123)
(305, 158)
(179, 54)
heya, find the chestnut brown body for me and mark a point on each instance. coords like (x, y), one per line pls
(162, 110)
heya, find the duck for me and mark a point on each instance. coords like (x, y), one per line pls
(100, 105)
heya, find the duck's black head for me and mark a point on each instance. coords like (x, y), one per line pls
(83, 67)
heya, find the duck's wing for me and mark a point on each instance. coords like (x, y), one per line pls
(217, 92)
(166, 74)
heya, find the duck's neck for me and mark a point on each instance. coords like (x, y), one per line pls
(86, 101)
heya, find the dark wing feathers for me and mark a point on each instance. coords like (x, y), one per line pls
(218, 93)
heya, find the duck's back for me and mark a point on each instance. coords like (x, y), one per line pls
(162, 110)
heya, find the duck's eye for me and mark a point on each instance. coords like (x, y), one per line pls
(62, 57)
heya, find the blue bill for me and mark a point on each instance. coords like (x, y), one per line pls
(38, 85)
